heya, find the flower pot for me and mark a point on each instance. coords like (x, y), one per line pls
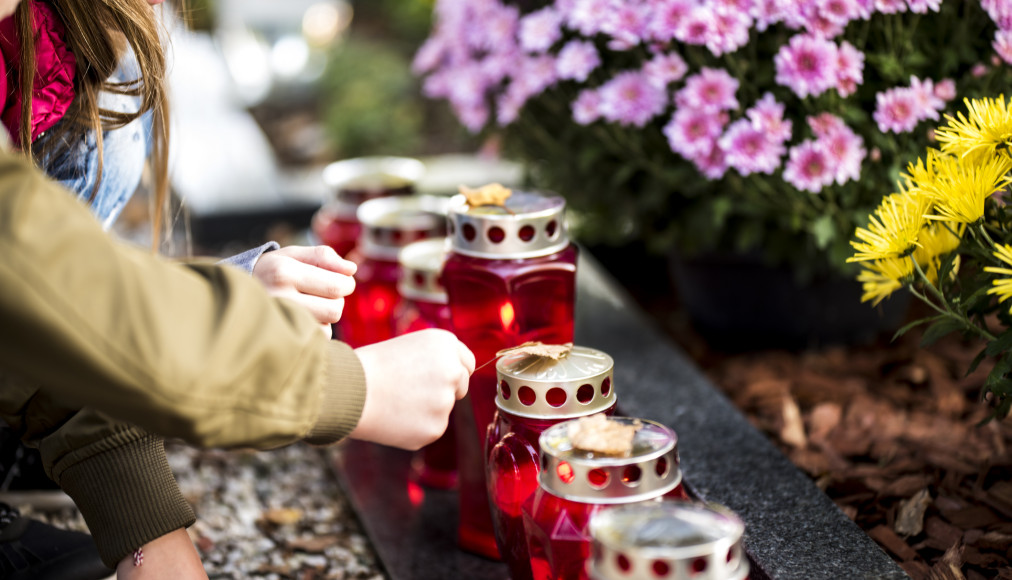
(738, 302)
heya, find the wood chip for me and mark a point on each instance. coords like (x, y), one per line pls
(973, 517)
(995, 541)
(1001, 491)
(599, 434)
(793, 430)
(890, 541)
(905, 486)
(910, 519)
(823, 419)
(948, 567)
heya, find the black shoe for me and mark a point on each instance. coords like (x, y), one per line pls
(32, 550)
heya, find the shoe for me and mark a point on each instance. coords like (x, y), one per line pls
(23, 480)
(32, 550)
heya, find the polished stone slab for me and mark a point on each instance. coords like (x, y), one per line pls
(793, 530)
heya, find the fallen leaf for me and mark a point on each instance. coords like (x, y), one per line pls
(283, 516)
(793, 430)
(491, 194)
(599, 434)
(948, 567)
(313, 544)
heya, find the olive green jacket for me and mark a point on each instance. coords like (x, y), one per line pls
(193, 351)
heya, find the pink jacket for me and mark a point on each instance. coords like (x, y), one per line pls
(53, 89)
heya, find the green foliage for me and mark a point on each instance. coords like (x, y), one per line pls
(369, 100)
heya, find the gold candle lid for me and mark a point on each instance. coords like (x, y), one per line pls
(650, 470)
(577, 383)
(667, 540)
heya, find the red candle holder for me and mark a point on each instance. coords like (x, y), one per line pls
(389, 224)
(667, 541)
(510, 277)
(576, 484)
(534, 394)
(424, 305)
(355, 181)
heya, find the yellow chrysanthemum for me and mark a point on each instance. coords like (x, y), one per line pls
(879, 279)
(936, 241)
(1002, 287)
(976, 137)
(893, 227)
(959, 189)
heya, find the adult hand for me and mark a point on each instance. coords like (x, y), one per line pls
(315, 277)
(412, 382)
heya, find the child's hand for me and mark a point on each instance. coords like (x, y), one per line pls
(315, 277)
(412, 382)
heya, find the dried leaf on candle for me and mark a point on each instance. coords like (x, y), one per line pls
(491, 194)
(536, 348)
(599, 434)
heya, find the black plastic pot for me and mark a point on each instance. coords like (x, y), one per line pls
(737, 302)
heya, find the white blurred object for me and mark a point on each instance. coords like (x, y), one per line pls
(220, 159)
(444, 173)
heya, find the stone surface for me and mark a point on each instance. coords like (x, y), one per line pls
(793, 530)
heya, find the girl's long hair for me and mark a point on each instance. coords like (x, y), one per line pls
(98, 32)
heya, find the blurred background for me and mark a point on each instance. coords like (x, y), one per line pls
(267, 93)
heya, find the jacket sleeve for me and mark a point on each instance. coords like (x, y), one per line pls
(196, 351)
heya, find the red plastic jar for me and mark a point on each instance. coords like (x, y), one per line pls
(355, 181)
(511, 278)
(534, 394)
(424, 305)
(667, 541)
(389, 224)
(575, 484)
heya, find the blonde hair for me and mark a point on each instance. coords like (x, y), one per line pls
(98, 33)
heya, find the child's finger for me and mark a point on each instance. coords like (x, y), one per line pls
(322, 257)
(326, 311)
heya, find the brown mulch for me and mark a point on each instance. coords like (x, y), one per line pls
(893, 433)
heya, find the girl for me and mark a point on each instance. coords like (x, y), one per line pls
(84, 96)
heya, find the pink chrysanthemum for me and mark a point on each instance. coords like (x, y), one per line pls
(1003, 45)
(808, 167)
(539, 30)
(499, 65)
(849, 69)
(729, 33)
(467, 84)
(807, 65)
(586, 16)
(663, 69)
(840, 12)
(429, 55)
(472, 117)
(766, 13)
(896, 110)
(712, 163)
(498, 29)
(661, 27)
(711, 89)
(844, 147)
(923, 6)
(626, 24)
(748, 149)
(696, 27)
(577, 60)
(630, 99)
(587, 107)
(928, 103)
(890, 6)
(692, 132)
(767, 115)
(1000, 11)
(945, 89)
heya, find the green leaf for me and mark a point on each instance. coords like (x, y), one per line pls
(824, 231)
(906, 327)
(1000, 345)
(976, 361)
(940, 329)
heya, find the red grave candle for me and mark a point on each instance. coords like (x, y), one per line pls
(576, 484)
(535, 393)
(424, 305)
(667, 541)
(355, 181)
(389, 224)
(511, 278)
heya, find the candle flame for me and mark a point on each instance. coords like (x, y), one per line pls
(507, 314)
